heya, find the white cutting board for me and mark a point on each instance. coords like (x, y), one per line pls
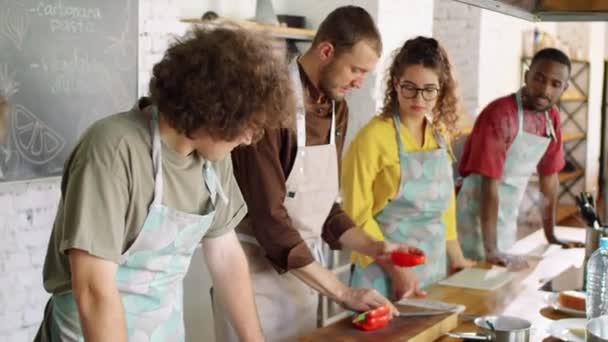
(479, 279)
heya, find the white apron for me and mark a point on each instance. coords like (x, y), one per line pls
(522, 157)
(286, 306)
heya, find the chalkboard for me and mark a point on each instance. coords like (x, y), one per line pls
(63, 65)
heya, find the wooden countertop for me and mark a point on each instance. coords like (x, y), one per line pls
(521, 297)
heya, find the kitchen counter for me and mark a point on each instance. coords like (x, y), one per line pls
(521, 297)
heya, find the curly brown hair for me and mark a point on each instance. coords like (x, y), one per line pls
(223, 80)
(428, 53)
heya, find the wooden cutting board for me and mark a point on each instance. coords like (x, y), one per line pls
(402, 329)
(478, 279)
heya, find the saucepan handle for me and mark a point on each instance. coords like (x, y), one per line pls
(470, 336)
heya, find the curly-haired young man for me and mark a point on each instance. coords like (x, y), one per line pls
(290, 183)
(143, 188)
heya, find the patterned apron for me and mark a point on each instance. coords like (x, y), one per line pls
(150, 273)
(415, 215)
(522, 157)
(287, 307)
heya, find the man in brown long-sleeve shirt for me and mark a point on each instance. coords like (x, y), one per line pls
(289, 181)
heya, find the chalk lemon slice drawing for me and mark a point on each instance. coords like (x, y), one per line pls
(35, 141)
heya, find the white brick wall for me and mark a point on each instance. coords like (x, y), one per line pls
(457, 26)
(158, 26)
(27, 211)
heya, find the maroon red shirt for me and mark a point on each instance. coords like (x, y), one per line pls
(494, 131)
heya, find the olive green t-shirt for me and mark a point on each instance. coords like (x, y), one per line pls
(108, 185)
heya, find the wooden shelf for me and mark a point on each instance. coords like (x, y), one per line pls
(573, 95)
(572, 60)
(572, 98)
(566, 136)
(566, 176)
(275, 31)
(563, 176)
(565, 211)
(578, 60)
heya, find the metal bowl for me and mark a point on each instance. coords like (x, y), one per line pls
(504, 328)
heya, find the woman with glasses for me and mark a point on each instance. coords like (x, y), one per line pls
(397, 174)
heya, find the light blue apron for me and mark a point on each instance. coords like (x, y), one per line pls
(150, 274)
(415, 215)
(522, 157)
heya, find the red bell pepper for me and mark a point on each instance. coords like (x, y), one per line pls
(404, 259)
(373, 323)
(380, 311)
(373, 319)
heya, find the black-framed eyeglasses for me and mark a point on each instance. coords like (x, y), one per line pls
(409, 91)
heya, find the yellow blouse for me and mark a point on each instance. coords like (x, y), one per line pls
(371, 174)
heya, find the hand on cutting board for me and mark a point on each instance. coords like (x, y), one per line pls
(457, 261)
(567, 243)
(461, 264)
(510, 261)
(364, 300)
(405, 283)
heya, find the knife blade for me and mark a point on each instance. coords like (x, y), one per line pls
(423, 313)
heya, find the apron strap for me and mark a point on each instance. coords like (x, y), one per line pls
(248, 239)
(549, 130)
(316, 247)
(442, 142)
(332, 131)
(213, 184)
(296, 83)
(156, 157)
(439, 138)
(520, 113)
(397, 124)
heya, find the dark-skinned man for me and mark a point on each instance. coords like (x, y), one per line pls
(513, 136)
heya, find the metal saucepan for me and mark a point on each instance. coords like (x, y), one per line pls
(499, 329)
(597, 329)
